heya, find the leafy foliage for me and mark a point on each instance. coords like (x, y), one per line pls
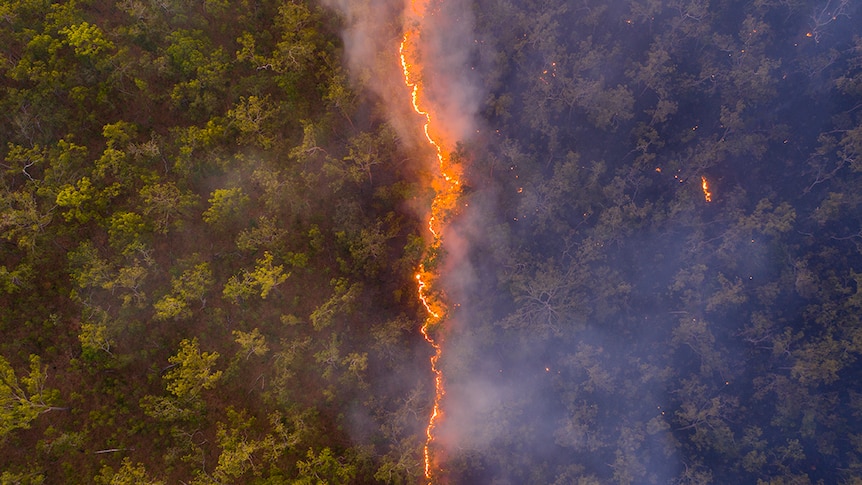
(23, 399)
(191, 371)
(160, 189)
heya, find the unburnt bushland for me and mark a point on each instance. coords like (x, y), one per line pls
(202, 251)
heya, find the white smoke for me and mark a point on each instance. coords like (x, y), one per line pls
(372, 33)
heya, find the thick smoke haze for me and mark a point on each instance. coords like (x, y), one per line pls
(451, 94)
(610, 323)
(371, 33)
(373, 30)
(452, 87)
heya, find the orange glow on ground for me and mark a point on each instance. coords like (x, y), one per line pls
(447, 191)
(707, 195)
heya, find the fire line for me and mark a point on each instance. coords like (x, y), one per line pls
(446, 193)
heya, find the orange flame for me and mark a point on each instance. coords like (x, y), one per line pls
(446, 194)
(707, 195)
(439, 391)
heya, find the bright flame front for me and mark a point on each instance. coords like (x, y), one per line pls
(447, 190)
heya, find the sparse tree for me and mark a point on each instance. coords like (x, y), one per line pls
(262, 280)
(23, 399)
(191, 371)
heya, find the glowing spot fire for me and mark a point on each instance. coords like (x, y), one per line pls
(707, 195)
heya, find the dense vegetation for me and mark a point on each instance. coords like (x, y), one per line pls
(204, 260)
(208, 235)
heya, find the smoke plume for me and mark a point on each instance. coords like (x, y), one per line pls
(440, 50)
